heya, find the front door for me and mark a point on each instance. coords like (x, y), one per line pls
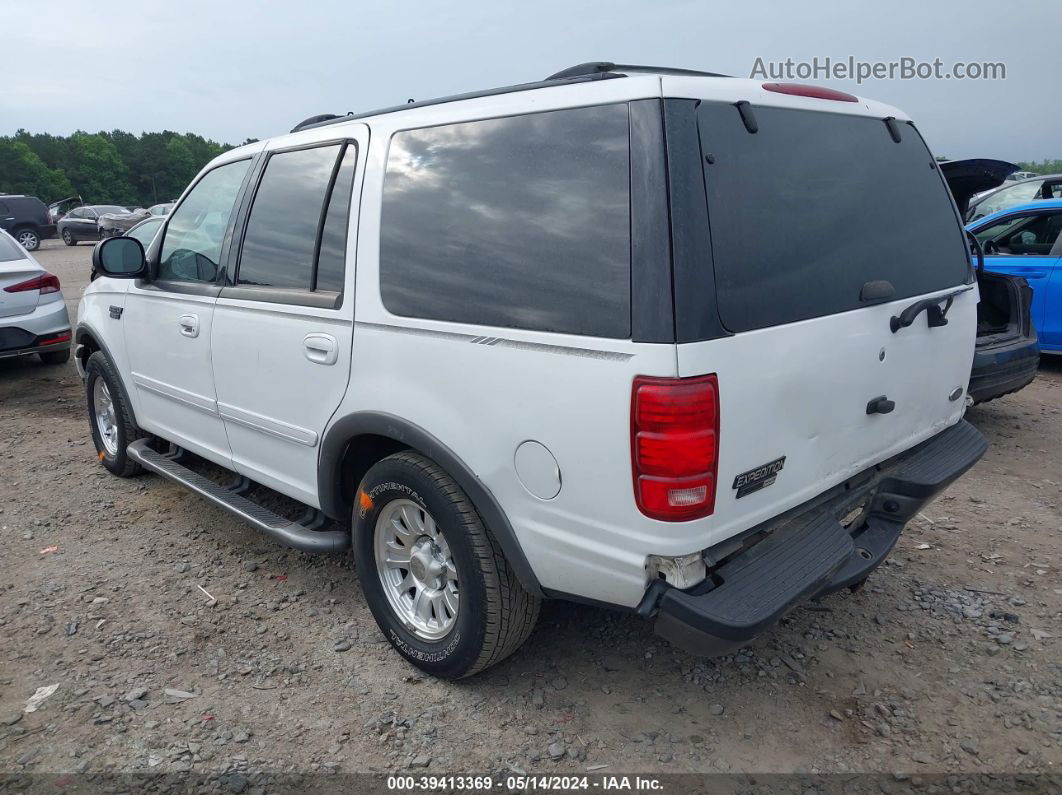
(283, 324)
(1024, 244)
(168, 319)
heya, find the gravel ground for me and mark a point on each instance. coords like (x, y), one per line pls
(181, 640)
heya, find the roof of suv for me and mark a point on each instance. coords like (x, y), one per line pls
(601, 82)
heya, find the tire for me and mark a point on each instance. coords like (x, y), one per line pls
(68, 238)
(56, 357)
(112, 452)
(28, 239)
(494, 615)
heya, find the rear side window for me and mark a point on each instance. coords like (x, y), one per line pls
(814, 205)
(296, 229)
(10, 250)
(521, 222)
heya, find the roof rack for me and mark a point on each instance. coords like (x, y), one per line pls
(581, 73)
(606, 67)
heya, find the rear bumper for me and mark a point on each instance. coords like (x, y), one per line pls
(31, 333)
(1003, 369)
(807, 552)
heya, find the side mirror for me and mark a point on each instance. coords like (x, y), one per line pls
(119, 258)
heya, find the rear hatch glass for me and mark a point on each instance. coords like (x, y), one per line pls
(814, 205)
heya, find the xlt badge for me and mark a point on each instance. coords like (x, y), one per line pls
(759, 478)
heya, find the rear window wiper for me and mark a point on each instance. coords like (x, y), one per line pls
(935, 314)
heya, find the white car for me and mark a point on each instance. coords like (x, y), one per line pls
(625, 336)
(33, 316)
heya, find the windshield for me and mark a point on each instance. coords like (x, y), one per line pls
(146, 231)
(815, 205)
(1007, 197)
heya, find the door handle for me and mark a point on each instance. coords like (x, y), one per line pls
(321, 348)
(189, 325)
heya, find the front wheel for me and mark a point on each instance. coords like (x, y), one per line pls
(433, 576)
(68, 238)
(110, 418)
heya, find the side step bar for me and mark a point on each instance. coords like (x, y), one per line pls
(292, 534)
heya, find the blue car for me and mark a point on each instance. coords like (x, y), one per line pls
(1026, 241)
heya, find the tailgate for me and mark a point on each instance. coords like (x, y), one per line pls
(800, 392)
(824, 227)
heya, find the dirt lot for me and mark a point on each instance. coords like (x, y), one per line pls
(950, 660)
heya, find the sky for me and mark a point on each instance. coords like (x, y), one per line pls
(233, 69)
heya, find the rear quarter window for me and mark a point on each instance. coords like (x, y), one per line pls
(813, 205)
(521, 222)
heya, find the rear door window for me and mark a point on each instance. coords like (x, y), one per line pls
(814, 205)
(521, 221)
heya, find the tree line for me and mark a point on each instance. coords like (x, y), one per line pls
(106, 167)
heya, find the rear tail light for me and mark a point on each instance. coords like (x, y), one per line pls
(675, 446)
(46, 283)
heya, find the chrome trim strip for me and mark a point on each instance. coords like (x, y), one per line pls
(268, 425)
(502, 342)
(204, 404)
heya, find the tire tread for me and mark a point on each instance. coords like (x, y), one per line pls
(511, 611)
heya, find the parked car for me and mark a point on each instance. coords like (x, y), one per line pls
(26, 219)
(1025, 242)
(82, 223)
(1040, 187)
(33, 316)
(563, 386)
(1020, 175)
(146, 230)
(1007, 354)
(118, 223)
(58, 209)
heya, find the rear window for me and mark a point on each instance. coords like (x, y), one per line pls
(10, 250)
(814, 205)
(521, 222)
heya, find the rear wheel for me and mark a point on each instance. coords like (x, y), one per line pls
(68, 238)
(433, 576)
(110, 418)
(56, 357)
(28, 239)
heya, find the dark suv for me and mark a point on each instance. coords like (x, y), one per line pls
(25, 218)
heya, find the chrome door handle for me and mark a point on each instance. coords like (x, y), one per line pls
(321, 348)
(189, 325)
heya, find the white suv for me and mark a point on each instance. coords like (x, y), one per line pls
(685, 345)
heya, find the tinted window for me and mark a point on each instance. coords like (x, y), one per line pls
(10, 250)
(191, 248)
(1027, 235)
(811, 207)
(520, 222)
(330, 261)
(278, 246)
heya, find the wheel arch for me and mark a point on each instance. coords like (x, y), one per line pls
(86, 343)
(357, 441)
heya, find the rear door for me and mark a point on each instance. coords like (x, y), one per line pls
(823, 228)
(283, 324)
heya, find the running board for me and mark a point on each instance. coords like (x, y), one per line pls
(292, 534)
